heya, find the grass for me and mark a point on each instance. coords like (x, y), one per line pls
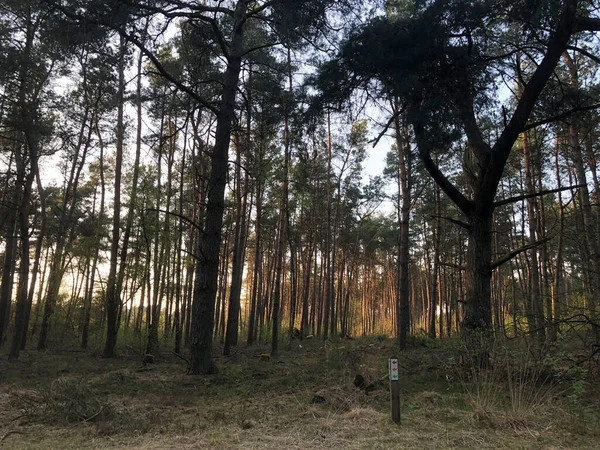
(81, 401)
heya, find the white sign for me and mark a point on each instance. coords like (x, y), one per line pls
(394, 369)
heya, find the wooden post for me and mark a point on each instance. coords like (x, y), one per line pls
(395, 389)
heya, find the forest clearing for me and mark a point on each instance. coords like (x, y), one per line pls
(79, 400)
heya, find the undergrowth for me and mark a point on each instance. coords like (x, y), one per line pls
(304, 398)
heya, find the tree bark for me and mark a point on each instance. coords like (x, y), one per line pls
(404, 191)
(205, 288)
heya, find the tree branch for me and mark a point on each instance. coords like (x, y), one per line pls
(179, 5)
(559, 39)
(587, 24)
(179, 216)
(135, 41)
(584, 52)
(260, 47)
(480, 147)
(460, 223)
(518, 198)
(561, 116)
(385, 129)
(516, 252)
(464, 204)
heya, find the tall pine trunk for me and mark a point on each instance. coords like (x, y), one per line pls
(113, 296)
(205, 288)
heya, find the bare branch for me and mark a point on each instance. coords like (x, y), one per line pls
(518, 198)
(460, 223)
(179, 216)
(561, 116)
(385, 128)
(584, 52)
(516, 252)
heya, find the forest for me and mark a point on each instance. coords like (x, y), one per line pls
(189, 210)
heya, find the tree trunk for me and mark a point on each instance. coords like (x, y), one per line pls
(8, 268)
(257, 272)
(87, 304)
(113, 296)
(584, 197)
(536, 308)
(239, 248)
(437, 236)
(205, 288)
(38, 255)
(404, 187)
(327, 263)
(478, 318)
(23, 212)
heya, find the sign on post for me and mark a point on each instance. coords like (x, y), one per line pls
(395, 389)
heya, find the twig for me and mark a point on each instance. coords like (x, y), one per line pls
(9, 432)
(182, 357)
(92, 417)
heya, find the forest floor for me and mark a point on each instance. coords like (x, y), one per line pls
(303, 399)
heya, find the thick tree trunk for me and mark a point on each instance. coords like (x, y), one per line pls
(404, 191)
(205, 288)
(477, 324)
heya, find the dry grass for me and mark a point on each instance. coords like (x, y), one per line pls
(55, 402)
